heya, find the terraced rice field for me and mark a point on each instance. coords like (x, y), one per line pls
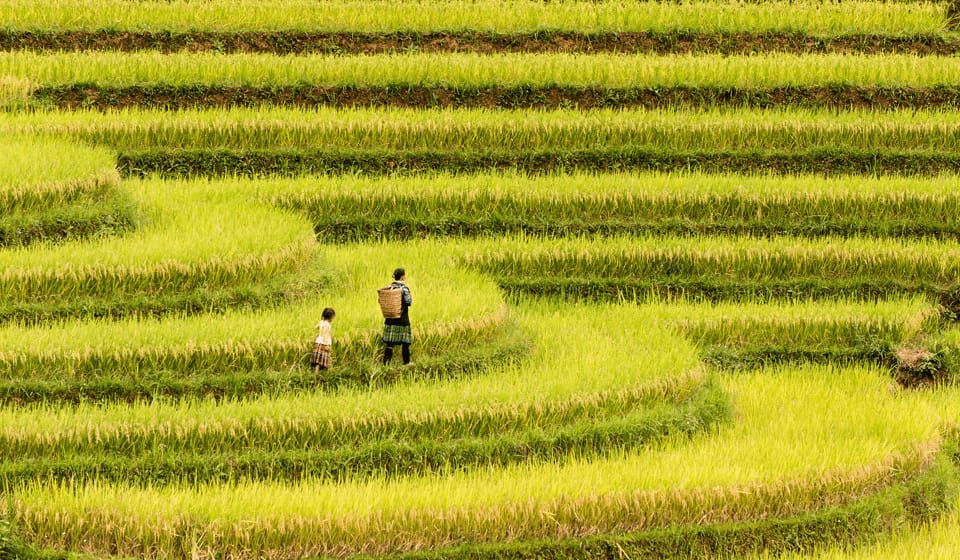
(686, 279)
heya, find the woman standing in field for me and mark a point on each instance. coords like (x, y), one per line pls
(397, 331)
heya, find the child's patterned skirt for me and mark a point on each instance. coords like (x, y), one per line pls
(321, 356)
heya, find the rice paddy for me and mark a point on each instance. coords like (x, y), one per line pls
(619, 350)
(387, 16)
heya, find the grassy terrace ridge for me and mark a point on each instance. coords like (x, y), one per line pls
(109, 214)
(935, 540)
(487, 16)
(177, 97)
(456, 356)
(351, 208)
(821, 458)
(375, 457)
(564, 399)
(216, 162)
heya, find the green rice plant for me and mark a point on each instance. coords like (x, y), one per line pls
(390, 16)
(190, 239)
(834, 443)
(640, 427)
(465, 71)
(482, 130)
(38, 173)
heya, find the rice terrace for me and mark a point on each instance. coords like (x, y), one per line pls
(685, 278)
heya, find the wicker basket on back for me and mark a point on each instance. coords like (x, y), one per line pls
(391, 301)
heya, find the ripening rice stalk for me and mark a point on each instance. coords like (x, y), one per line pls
(833, 443)
(38, 173)
(478, 129)
(652, 199)
(801, 324)
(514, 16)
(465, 70)
(191, 237)
(557, 384)
(925, 262)
(14, 91)
(451, 304)
(936, 540)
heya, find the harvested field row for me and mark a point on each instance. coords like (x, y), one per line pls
(292, 17)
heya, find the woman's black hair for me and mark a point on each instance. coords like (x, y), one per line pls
(399, 273)
(328, 313)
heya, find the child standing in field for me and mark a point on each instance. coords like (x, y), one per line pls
(322, 357)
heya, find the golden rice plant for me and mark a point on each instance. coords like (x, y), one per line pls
(465, 70)
(514, 16)
(37, 173)
(481, 130)
(832, 442)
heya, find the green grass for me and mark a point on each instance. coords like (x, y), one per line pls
(814, 18)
